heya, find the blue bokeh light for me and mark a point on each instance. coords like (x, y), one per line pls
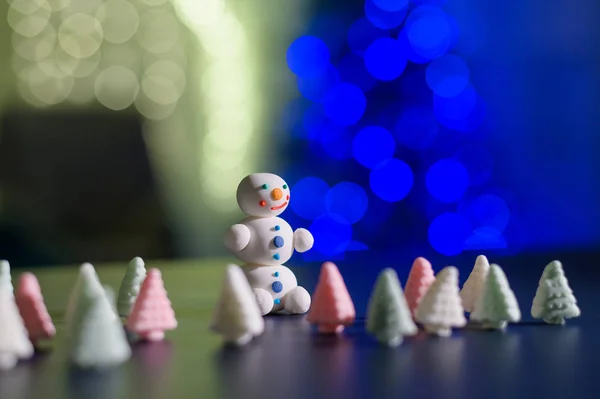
(391, 5)
(332, 233)
(391, 180)
(384, 59)
(308, 197)
(352, 70)
(455, 31)
(384, 19)
(408, 51)
(448, 233)
(315, 88)
(372, 145)
(447, 180)
(447, 76)
(345, 104)
(348, 200)
(490, 211)
(478, 161)
(362, 33)
(308, 57)
(416, 128)
(429, 32)
(457, 107)
(429, 2)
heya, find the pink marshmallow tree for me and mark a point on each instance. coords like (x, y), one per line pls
(152, 313)
(419, 279)
(332, 308)
(33, 309)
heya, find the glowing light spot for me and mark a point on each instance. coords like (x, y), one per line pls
(151, 109)
(352, 70)
(348, 200)
(447, 180)
(384, 59)
(83, 90)
(80, 35)
(163, 82)
(49, 89)
(308, 57)
(457, 107)
(362, 33)
(490, 211)
(448, 233)
(197, 14)
(314, 89)
(29, 17)
(36, 48)
(119, 20)
(345, 104)
(332, 234)
(158, 31)
(428, 31)
(80, 6)
(408, 51)
(416, 128)
(384, 19)
(485, 238)
(478, 161)
(229, 31)
(391, 5)
(309, 197)
(116, 87)
(447, 76)
(372, 145)
(391, 180)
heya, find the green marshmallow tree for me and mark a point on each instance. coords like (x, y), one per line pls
(554, 300)
(130, 286)
(497, 304)
(388, 316)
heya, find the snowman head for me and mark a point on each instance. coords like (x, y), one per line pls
(263, 195)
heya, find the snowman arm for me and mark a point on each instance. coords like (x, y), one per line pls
(237, 237)
(303, 240)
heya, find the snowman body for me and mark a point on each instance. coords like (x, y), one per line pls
(265, 242)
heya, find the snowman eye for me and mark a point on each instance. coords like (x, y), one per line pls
(265, 186)
(285, 186)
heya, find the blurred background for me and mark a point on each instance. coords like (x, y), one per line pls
(404, 128)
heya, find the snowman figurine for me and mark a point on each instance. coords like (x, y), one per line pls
(265, 242)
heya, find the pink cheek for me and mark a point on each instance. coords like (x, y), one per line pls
(288, 197)
(262, 203)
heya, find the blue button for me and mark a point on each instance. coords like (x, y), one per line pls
(277, 301)
(277, 228)
(276, 274)
(278, 241)
(276, 256)
(277, 286)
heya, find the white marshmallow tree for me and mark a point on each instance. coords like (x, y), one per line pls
(5, 277)
(497, 304)
(14, 340)
(441, 309)
(554, 300)
(474, 285)
(237, 316)
(388, 317)
(130, 286)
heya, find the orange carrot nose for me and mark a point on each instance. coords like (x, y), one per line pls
(277, 194)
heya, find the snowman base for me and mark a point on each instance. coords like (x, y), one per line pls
(276, 289)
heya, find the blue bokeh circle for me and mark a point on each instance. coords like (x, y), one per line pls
(447, 76)
(384, 19)
(344, 104)
(391, 180)
(448, 233)
(348, 200)
(315, 89)
(384, 59)
(308, 57)
(428, 31)
(332, 233)
(447, 180)
(307, 197)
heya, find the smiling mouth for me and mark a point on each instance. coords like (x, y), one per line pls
(276, 208)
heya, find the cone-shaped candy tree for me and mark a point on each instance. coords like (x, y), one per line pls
(441, 308)
(419, 280)
(152, 313)
(388, 316)
(5, 278)
(332, 308)
(14, 342)
(497, 305)
(237, 317)
(554, 300)
(130, 286)
(474, 284)
(33, 309)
